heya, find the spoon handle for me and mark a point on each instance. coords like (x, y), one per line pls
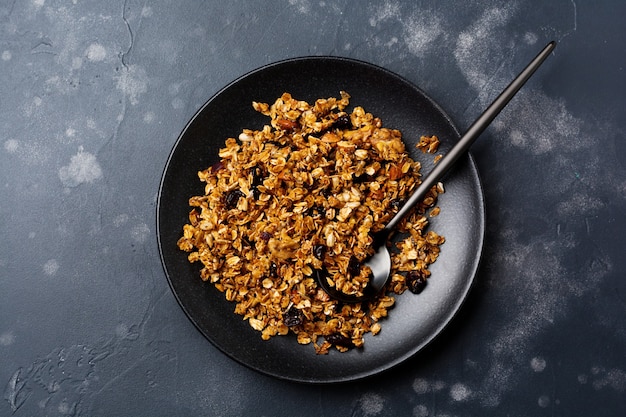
(470, 136)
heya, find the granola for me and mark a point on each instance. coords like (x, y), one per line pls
(305, 194)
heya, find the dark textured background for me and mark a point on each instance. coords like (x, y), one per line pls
(93, 96)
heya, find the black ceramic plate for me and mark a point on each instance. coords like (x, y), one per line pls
(416, 319)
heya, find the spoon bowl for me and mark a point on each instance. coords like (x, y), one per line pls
(379, 265)
(380, 261)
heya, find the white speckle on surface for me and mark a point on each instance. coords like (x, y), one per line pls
(460, 392)
(561, 130)
(30, 108)
(538, 364)
(371, 404)
(582, 379)
(174, 89)
(7, 338)
(420, 411)
(169, 51)
(53, 82)
(132, 82)
(178, 103)
(495, 383)
(392, 42)
(140, 232)
(543, 401)
(125, 332)
(83, 168)
(420, 386)
(438, 386)
(303, 6)
(70, 132)
(96, 52)
(120, 220)
(388, 10)
(67, 408)
(77, 63)
(51, 267)
(479, 51)
(530, 38)
(579, 203)
(11, 145)
(38, 4)
(6, 55)
(148, 117)
(420, 31)
(613, 378)
(517, 138)
(146, 11)
(121, 330)
(32, 152)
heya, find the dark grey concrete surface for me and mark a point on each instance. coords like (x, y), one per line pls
(93, 96)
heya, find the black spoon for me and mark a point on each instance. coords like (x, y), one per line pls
(380, 261)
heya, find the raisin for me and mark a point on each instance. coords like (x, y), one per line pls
(317, 211)
(232, 198)
(265, 236)
(273, 270)
(362, 178)
(338, 339)
(416, 282)
(397, 203)
(342, 122)
(257, 176)
(354, 266)
(319, 251)
(217, 166)
(292, 317)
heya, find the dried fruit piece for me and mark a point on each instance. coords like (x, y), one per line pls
(416, 282)
(319, 251)
(286, 124)
(338, 339)
(292, 317)
(354, 266)
(342, 122)
(232, 198)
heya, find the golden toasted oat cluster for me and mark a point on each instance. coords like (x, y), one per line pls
(302, 195)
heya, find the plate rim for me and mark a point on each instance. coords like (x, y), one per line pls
(466, 289)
